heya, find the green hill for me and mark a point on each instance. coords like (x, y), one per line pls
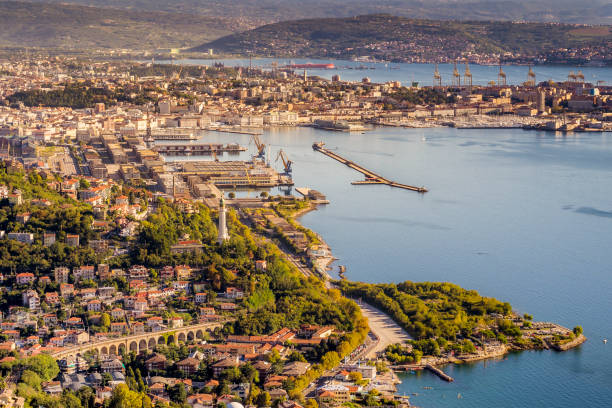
(268, 11)
(393, 38)
(82, 27)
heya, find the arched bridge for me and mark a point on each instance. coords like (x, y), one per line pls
(141, 342)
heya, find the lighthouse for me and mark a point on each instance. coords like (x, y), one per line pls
(223, 235)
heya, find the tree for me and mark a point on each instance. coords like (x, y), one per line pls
(124, 398)
(264, 399)
(577, 330)
(105, 320)
(178, 393)
(32, 379)
(311, 403)
(355, 376)
(44, 365)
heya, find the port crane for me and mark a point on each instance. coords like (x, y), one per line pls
(261, 148)
(286, 162)
(214, 153)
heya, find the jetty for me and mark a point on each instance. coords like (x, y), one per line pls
(370, 176)
(439, 373)
(233, 130)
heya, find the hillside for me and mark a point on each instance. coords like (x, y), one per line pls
(267, 11)
(73, 26)
(395, 38)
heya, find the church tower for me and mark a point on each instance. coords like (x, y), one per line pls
(223, 234)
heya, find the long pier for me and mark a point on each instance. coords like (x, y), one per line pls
(370, 176)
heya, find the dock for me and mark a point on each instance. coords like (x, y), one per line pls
(197, 149)
(370, 176)
(230, 130)
(439, 373)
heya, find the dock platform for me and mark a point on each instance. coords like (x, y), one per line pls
(370, 177)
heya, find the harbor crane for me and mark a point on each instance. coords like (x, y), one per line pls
(286, 162)
(437, 77)
(531, 77)
(456, 76)
(213, 151)
(261, 148)
(467, 77)
(501, 77)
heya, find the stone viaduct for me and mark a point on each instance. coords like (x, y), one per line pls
(140, 342)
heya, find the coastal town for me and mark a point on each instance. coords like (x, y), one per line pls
(130, 276)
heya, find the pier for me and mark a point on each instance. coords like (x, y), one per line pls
(197, 149)
(370, 177)
(439, 373)
(231, 130)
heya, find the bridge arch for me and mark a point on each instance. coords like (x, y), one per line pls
(171, 339)
(104, 350)
(161, 340)
(134, 346)
(199, 334)
(142, 345)
(182, 337)
(190, 336)
(121, 348)
(112, 350)
(152, 344)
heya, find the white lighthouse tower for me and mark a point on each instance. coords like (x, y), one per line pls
(223, 235)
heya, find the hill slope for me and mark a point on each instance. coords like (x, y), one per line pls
(267, 11)
(394, 38)
(72, 26)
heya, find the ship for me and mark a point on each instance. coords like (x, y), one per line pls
(311, 66)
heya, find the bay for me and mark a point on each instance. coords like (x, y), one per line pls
(421, 73)
(522, 216)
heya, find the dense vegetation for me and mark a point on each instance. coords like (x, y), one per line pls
(76, 96)
(429, 310)
(591, 11)
(64, 216)
(91, 28)
(372, 34)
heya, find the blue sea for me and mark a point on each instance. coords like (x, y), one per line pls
(522, 216)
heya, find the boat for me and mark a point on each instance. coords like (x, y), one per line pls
(605, 341)
(311, 66)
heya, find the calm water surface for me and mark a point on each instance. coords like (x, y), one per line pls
(523, 216)
(422, 73)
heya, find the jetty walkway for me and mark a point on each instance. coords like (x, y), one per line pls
(370, 176)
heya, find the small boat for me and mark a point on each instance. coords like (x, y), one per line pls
(428, 388)
(605, 341)
(459, 396)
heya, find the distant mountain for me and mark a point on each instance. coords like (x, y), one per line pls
(399, 39)
(258, 12)
(79, 27)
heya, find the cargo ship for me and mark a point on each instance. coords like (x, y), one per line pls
(311, 66)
